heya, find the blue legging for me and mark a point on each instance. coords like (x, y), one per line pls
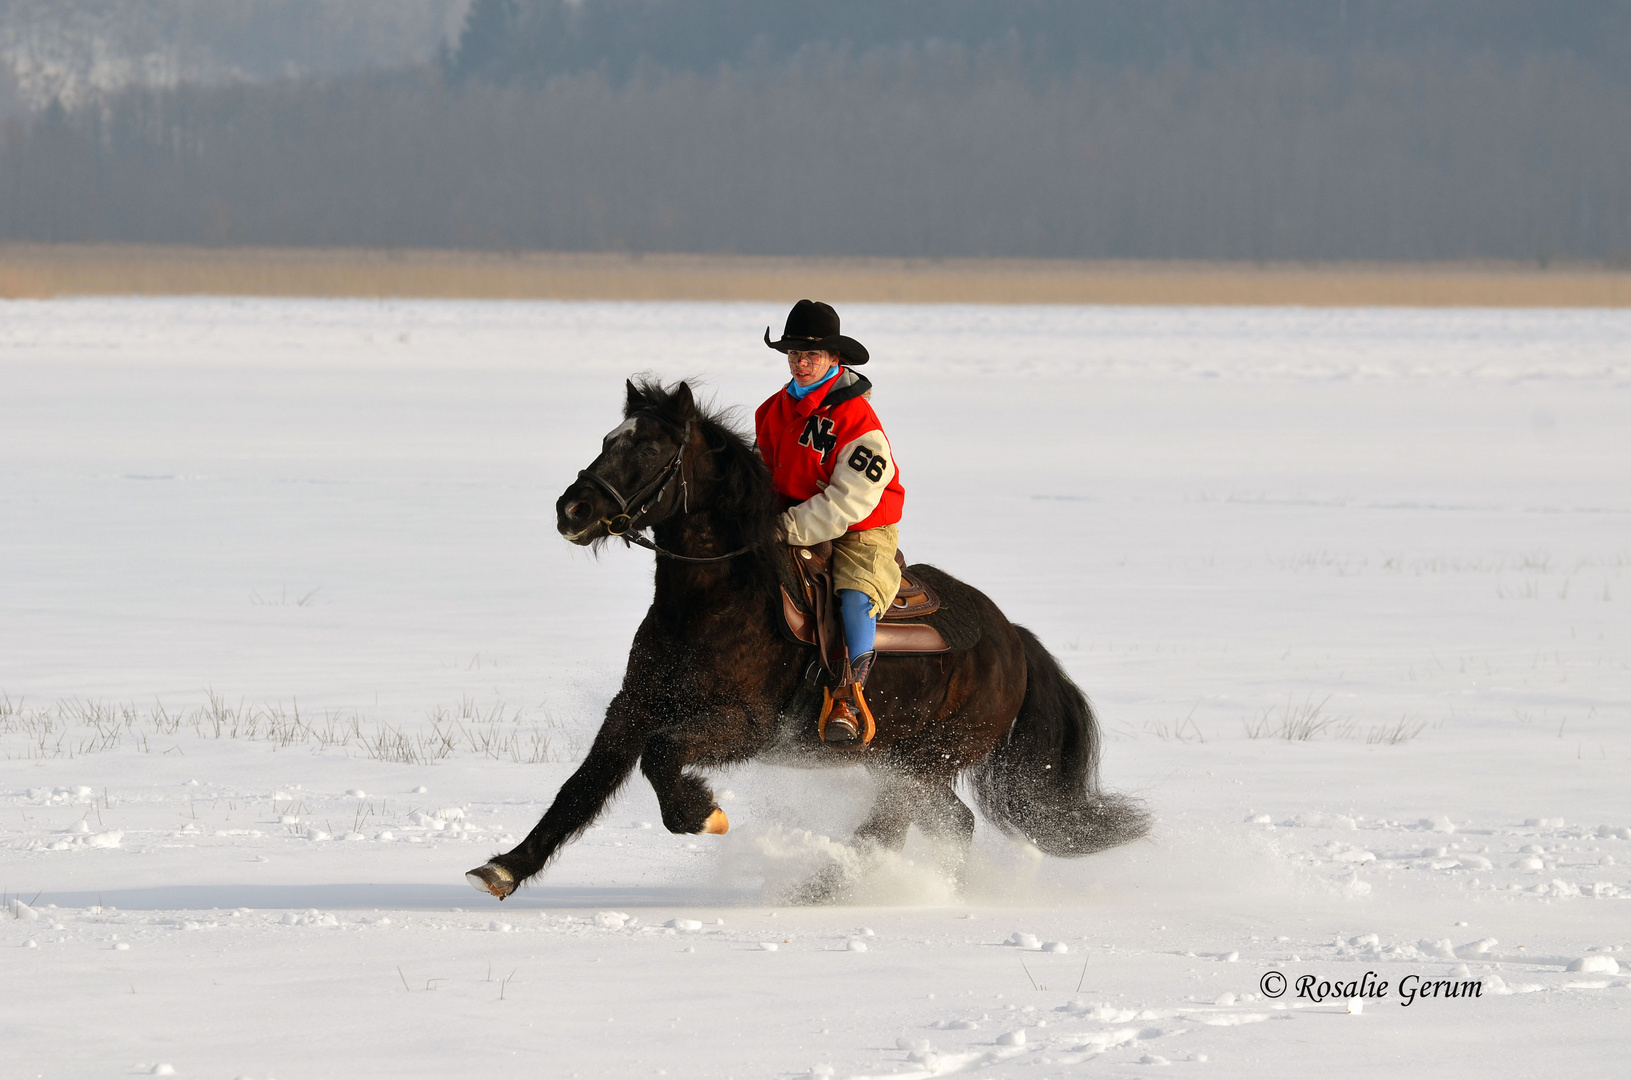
(860, 628)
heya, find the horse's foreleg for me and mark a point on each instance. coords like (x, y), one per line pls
(575, 808)
(686, 801)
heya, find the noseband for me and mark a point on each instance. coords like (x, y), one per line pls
(627, 523)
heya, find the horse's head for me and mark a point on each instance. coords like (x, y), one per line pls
(640, 477)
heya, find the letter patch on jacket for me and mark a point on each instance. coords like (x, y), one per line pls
(818, 436)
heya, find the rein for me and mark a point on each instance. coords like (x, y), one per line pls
(623, 523)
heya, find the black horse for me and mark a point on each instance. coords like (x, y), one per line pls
(713, 681)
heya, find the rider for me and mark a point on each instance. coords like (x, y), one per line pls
(832, 466)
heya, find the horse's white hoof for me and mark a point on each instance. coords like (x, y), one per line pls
(492, 879)
(717, 823)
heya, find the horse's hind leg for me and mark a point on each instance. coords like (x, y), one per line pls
(932, 804)
(945, 819)
(900, 802)
(884, 829)
(942, 815)
(891, 815)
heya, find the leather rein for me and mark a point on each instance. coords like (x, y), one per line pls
(624, 522)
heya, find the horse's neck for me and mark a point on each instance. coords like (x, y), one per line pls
(701, 587)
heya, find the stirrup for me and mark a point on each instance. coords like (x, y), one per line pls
(864, 730)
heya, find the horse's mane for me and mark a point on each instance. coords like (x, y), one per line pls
(743, 494)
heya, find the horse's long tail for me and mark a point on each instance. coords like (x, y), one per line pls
(1042, 782)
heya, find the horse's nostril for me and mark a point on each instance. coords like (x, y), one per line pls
(578, 510)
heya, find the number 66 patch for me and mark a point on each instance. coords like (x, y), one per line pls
(867, 463)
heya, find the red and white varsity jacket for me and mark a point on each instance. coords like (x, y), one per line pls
(828, 456)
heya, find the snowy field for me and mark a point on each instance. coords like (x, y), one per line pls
(288, 643)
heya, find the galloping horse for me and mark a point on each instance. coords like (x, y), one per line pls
(712, 680)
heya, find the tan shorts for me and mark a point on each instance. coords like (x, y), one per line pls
(866, 561)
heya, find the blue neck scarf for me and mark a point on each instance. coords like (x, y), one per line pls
(798, 391)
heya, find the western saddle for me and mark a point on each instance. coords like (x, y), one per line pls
(812, 615)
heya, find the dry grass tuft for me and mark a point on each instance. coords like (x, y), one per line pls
(1301, 722)
(1296, 723)
(75, 727)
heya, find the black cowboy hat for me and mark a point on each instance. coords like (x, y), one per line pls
(812, 325)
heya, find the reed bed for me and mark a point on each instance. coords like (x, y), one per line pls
(35, 270)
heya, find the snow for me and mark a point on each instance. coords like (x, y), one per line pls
(289, 644)
(1606, 965)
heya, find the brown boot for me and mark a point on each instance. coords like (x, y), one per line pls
(846, 722)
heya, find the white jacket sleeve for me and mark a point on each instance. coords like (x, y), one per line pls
(864, 469)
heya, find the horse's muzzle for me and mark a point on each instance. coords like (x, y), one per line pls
(576, 517)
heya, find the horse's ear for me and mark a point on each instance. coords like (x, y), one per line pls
(636, 401)
(685, 406)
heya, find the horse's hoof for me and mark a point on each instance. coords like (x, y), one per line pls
(492, 878)
(826, 886)
(717, 823)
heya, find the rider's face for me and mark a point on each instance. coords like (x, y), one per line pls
(809, 368)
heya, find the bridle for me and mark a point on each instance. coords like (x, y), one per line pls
(627, 524)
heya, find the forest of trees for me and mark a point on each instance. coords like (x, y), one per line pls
(69, 50)
(1249, 129)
